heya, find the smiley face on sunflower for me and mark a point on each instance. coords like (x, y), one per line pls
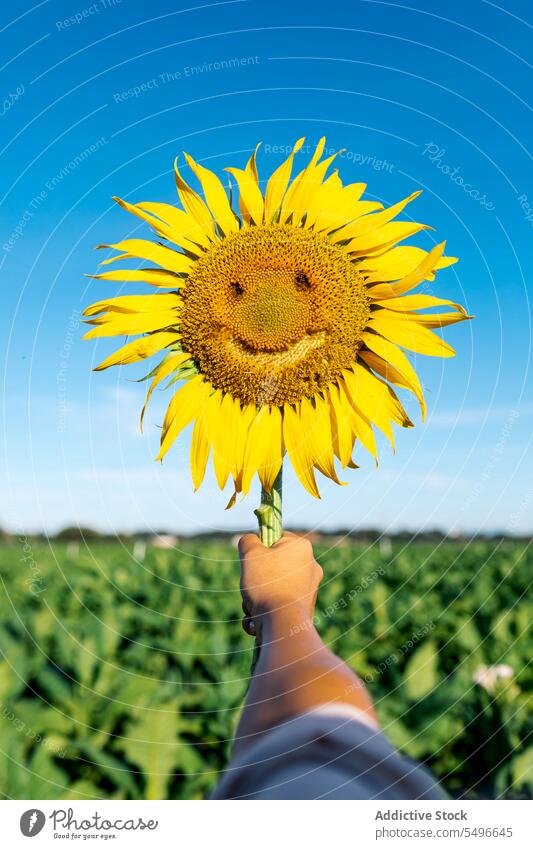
(283, 321)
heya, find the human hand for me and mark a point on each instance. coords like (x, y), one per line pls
(276, 579)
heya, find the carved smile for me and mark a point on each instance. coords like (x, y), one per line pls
(288, 355)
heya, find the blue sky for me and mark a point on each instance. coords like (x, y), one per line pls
(98, 100)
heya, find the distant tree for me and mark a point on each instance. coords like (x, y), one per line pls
(76, 534)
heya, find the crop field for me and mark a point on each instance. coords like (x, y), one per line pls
(123, 678)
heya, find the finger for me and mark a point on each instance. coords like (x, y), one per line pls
(249, 543)
(290, 535)
(248, 625)
(296, 540)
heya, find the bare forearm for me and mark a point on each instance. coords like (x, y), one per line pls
(295, 673)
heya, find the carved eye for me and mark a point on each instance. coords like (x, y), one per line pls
(302, 281)
(237, 288)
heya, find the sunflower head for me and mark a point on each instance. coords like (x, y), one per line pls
(283, 320)
(273, 314)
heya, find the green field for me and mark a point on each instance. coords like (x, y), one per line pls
(124, 680)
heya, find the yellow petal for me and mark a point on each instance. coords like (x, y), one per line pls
(153, 276)
(139, 349)
(166, 368)
(135, 304)
(441, 319)
(373, 386)
(384, 369)
(336, 219)
(183, 225)
(397, 263)
(384, 237)
(263, 451)
(273, 458)
(409, 335)
(308, 186)
(360, 424)
(113, 258)
(200, 448)
(369, 223)
(407, 303)
(298, 448)
(182, 409)
(343, 435)
(277, 184)
(369, 407)
(304, 185)
(343, 204)
(316, 424)
(256, 444)
(332, 206)
(375, 399)
(160, 227)
(420, 273)
(243, 420)
(287, 206)
(251, 165)
(194, 205)
(130, 324)
(162, 256)
(220, 426)
(215, 196)
(323, 204)
(392, 355)
(232, 501)
(251, 202)
(229, 424)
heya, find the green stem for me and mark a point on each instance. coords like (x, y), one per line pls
(269, 513)
(270, 530)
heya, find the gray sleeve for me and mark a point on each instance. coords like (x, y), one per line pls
(318, 756)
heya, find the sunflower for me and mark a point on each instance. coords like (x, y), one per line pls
(283, 322)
